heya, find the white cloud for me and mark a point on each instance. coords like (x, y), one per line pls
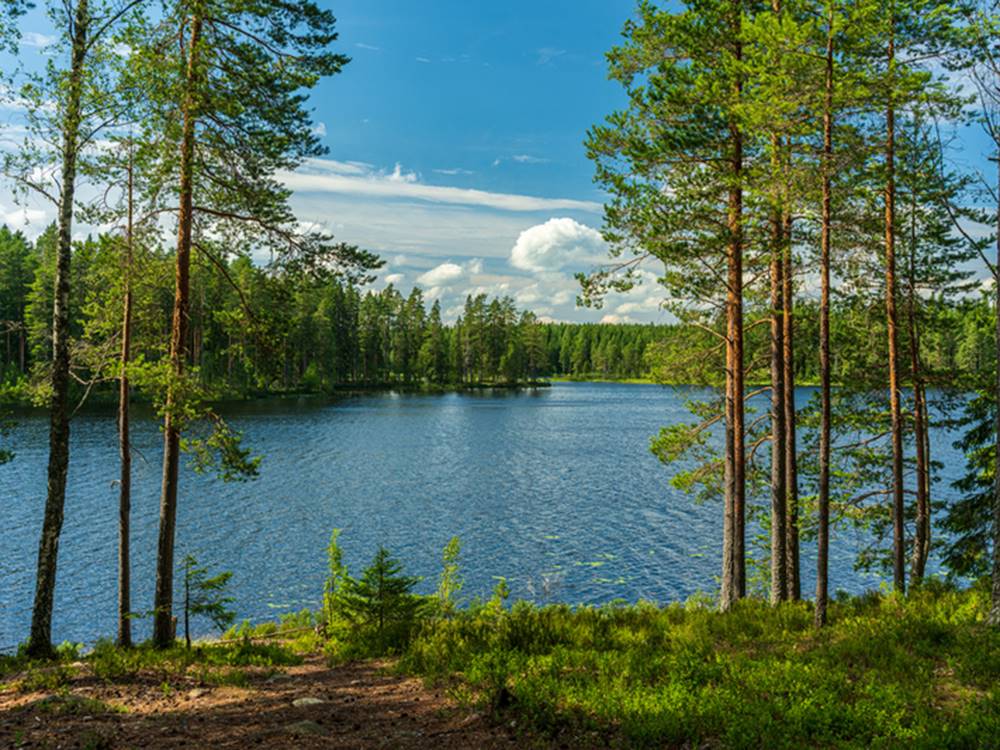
(422, 60)
(372, 47)
(34, 39)
(556, 244)
(395, 278)
(616, 319)
(454, 171)
(360, 180)
(528, 159)
(319, 129)
(398, 175)
(548, 54)
(441, 275)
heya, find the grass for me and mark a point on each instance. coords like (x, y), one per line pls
(915, 672)
(235, 663)
(888, 672)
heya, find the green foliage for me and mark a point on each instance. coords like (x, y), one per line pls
(450, 582)
(336, 579)
(205, 596)
(380, 604)
(887, 671)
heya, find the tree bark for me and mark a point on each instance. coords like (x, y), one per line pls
(779, 561)
(40, 640)
(823, 493)
(898, 530)
(994, 616)
(779, 557)
(791, 454)
(163, 634)
(735, 588)
(922, 523)
(124, 448)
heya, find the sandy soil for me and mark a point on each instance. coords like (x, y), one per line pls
(350, 706)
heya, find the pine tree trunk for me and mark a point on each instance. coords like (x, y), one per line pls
(898, 530)
(823, 491)
(791, 455)
(163, 635)
(124, 449)
(994, 616)
(922, 523)
(40, 640)
(779, 569)
(734, 559)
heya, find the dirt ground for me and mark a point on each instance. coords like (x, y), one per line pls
(308, 706)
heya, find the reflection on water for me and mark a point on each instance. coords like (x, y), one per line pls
(554, 489)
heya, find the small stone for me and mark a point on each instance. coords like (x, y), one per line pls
(305, 727)
(305, 702)
(196, 693)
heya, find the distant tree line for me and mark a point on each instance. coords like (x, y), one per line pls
(257, 331)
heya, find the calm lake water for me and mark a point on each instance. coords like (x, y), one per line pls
(555, 489)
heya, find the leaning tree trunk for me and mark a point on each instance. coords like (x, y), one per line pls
(124, 449)
(823, 491)
(898, 530)
(163, 630)
(40, 640)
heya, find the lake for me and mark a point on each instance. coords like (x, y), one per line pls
(553, 488)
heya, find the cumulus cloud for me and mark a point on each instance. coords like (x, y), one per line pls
(441, 275)
(616, 319)
(556, 244)
(395, 278)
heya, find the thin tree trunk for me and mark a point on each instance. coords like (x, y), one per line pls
(163, 634)
(994, 616)
(898, 530)
(124, 449)
(737, 485)
(40, 640)
(922, 524)
(779, 561)
(791, 455)
(779, 557)
(823, 494)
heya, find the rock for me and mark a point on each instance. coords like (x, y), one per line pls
(196, 693)
(305, 727)
(306, 702)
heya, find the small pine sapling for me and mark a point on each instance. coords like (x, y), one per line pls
(205, 596)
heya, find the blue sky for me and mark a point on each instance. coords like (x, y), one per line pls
(457, 131)
(455, 141)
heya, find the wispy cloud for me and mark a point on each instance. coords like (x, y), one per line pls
(353, 178)
(372, 47)
(548, 54)
(34, 39)
(422, 60)
(528, 159)
(454, 171)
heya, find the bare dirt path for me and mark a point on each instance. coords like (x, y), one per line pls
(308, 706)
